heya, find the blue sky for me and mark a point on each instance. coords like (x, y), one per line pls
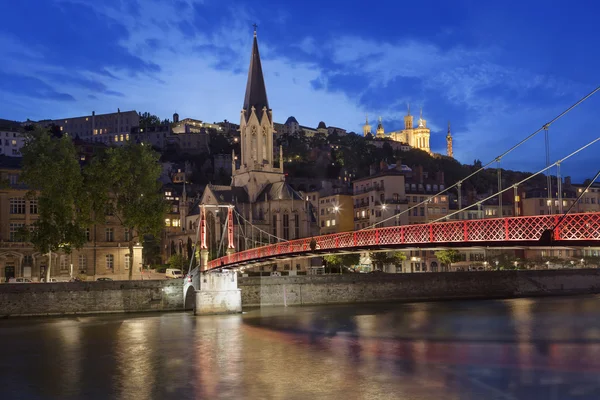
(496, 70)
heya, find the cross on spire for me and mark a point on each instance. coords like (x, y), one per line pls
(254, 26)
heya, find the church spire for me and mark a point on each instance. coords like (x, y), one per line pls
(449, 149)
(256, 93)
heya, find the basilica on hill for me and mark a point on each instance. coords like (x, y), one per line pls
(416, 137)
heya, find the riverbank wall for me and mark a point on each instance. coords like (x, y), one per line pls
(167, 295)
(90, 297)
(364, 288)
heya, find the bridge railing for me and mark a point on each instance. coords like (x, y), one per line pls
(513, 229)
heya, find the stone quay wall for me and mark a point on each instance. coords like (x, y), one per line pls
(167, 295)
(363, 288)
(36, 299)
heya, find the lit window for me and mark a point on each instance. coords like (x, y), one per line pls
(61, 128)
(110, 261)
(328, 223)
(167, 222)
(14, 142)
(176, 222)
(333, 222)
(122, 137)
(127, 136)
(82, 262)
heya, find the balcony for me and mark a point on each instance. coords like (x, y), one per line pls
(374, 188)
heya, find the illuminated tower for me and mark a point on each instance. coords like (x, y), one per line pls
(366, 127)
(449, 151)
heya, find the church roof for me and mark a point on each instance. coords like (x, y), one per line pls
(256, 93)
(291, 120)
(322, 125)
(278, 191)
(230, 194)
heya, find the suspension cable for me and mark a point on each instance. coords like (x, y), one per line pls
(254, 226)
(445, 217)
(545, 126)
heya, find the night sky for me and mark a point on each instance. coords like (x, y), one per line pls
(497, 70)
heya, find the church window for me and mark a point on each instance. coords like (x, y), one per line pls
(264, 148)
(275, 225)
(286, 226)
(296, 226)
(254, 151)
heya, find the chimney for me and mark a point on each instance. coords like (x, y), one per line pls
(372, 170)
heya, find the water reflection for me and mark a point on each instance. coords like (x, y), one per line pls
(514, 349)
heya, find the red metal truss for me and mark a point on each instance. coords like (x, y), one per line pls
(580, 227)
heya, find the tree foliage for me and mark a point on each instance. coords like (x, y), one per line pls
(448, 257)
(342, 260)
(130, 175)
(177, 261)
(51, 170)
(147, 120)
(379, 259)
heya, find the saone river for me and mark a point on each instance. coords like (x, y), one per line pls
(505, 349)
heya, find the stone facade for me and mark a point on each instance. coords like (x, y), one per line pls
(104, 254)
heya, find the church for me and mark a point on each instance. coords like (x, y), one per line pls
(416, 137)
(267, 209)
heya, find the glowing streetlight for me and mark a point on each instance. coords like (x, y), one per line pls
(383, 207)
(336, 208)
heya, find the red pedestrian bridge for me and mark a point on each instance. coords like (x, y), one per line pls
(573, 230)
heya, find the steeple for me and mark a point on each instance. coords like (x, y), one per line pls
(256, 93)
(380, 131)
(366, 127)
(449, 150)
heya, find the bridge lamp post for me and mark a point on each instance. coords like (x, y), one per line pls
(497, 262)
(582, 261)
(485, 264)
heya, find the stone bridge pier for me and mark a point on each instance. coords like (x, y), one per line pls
(218, 294)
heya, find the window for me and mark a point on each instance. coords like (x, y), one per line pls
(13, 142)
(33, 207)
(63, 264)
(322, 223)
(126, 233)
(13, 179)
(17, 205)
(109, 234)
(14, 229)
(286, 226)
(127, 261)
(274, 225)
(167, 222)
(82, 262)
(333, 222)
(87, 234)
(110, 261)
(296, 226)
(328, 223)
(176, 222)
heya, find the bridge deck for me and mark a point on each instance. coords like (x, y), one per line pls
(574, 229)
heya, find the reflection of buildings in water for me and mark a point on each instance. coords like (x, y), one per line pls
(135, 370)
(70, 338)
(219, 357)
(522, 320)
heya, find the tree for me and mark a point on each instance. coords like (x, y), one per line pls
(147, 120)
(130, 174)
(177, 261)
(51, 169)
(342, 260)
(380, 259)
(448, 256)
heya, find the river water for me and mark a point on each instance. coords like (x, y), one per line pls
(547, 348)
